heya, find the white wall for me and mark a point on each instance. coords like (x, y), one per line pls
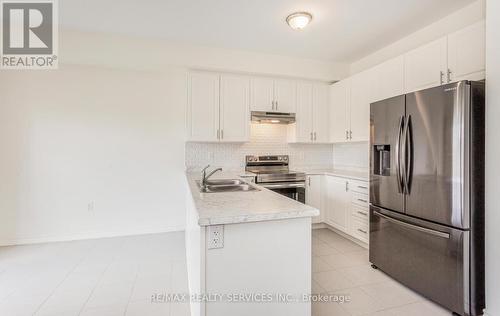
(492, 158)
(83, 134)
(118, 51)
(453, 22)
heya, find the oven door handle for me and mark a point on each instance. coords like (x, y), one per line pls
(283, 185)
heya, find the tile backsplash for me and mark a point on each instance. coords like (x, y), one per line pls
(271, 139)
(351, 156)
(265, 139)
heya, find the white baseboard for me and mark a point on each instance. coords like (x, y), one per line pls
(89, 235)
(341, 233)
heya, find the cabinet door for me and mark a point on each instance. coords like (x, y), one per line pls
(466, 53)
(234, 108)
(339, 102)
(285, 93)
(426, 66)
(303, 124)
(261, 94)
(337, 202)
(203, 106)
(359, 111)
(314, 196)
(321, 113)
(388, 79)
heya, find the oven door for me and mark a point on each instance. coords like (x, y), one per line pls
(293, 190)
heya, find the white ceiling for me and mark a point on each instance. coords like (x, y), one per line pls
(341, 30)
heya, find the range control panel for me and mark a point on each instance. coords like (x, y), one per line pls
(264, 159)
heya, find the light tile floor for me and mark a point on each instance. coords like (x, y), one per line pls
(118, 276)
(104, 277)
(341, 267)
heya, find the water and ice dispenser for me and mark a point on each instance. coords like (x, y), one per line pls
(382, 160)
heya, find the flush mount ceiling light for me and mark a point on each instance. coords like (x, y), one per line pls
(299, 20)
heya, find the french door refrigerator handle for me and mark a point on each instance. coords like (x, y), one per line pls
(406, 156)
(398, 154)
(409, 145)
(414, 227)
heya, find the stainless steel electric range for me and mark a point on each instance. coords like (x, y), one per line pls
(272, 172)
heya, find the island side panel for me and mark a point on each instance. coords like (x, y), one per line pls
(261, 257)
(195, 256)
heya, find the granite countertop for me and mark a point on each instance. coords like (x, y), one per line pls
(350, 174)
(243, 207)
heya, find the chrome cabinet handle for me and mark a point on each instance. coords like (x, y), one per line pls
(311, 136)
(346, 186)
(414, 227)
(222, 134)
(449, 75)
(272, 102)
(441, 77)
(398, 154)
(363, 231)
(315, 136)
(362, 187)
(350, 135)
(309, 179)
(364, 201)
(362, 213)
(346, 135)
(218, 134)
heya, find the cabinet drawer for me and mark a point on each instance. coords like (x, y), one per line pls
(360, 212)
(359, 199)
(358, 186)
(359, 229)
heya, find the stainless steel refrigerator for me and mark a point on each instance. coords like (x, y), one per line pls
(427, 193)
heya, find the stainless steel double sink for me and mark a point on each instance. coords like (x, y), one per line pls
(226, 185)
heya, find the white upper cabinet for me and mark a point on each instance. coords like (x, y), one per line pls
(388, 79)
(234, 108)
(218, 107)
(304, 115)
(426, 66)
(312, 123)
(361, 92)
(273, 95)
(262, 94)
(285, 95)
(203, 106)
(466, 53)
(340, 93)
(321, 113)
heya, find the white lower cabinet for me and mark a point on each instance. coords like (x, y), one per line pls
(337, 202)
(343, 204)
(314, 196)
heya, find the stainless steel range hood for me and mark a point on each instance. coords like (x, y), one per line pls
(273, 117)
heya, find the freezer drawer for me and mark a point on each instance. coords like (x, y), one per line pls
(429, 258)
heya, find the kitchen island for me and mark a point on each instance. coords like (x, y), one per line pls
(260, 263)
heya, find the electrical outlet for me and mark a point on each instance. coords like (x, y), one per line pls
(215, 237)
